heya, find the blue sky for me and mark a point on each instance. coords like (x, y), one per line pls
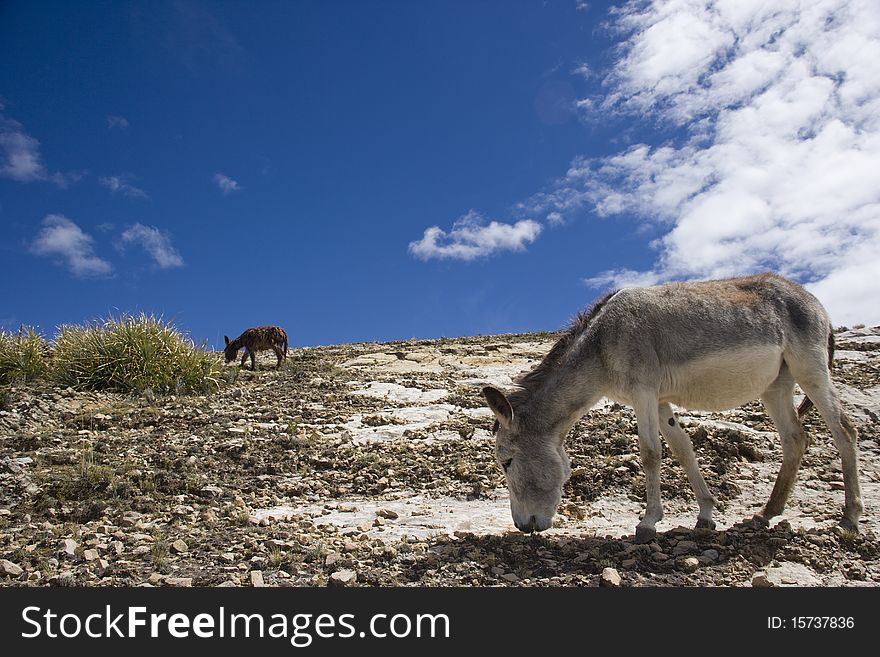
(387, 170)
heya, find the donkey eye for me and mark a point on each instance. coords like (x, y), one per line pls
(506, 464)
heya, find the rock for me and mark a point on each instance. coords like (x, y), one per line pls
(332, 558)
(711, 555)
(65, 578)
(629, 563)
(855, 570)
(684, 547)
(179, 546)
(211, 491)
(609, 578)
(387, 513)
(690, 564)
(185, 582)
(760, 580)
(68, 547)
(257, 579)
(227, 583)
(9, 568)
(91, 555)
(342, 578)
(790, 573)
(510, 577)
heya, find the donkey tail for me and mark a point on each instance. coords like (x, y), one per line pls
(284, 340)
(807, 405)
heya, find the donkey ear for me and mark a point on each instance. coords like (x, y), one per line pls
(226, 337)
(499, 406)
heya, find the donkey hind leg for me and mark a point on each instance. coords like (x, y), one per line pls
(820, 389)
(651, 451)
(777, 400)
(680, 444)
(245, 357)
(279, 355)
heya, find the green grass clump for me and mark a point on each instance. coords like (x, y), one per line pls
(23, 355)
(132, 354)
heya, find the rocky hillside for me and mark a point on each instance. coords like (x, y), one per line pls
(372, 464)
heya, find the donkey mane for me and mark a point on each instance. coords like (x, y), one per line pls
(534, 379)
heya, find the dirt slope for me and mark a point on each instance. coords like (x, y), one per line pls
(373, 464)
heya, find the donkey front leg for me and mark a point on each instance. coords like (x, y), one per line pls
(681, 447)
(651, 452)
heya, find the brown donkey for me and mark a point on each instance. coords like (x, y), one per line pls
(257, 339)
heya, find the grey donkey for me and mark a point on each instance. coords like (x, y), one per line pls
(710, 346)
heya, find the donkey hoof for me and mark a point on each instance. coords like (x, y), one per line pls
(645, 534)
(759, 522)
(705, 523)
(848, 525)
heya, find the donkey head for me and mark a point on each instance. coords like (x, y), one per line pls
(534, 463)
(229, 353)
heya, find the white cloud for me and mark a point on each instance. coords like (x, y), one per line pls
(117, 122)
(120, 185)
(622, 278)
(154, 242)
(61, 237)
(226, 184)
(471, 237)
(19, 153)
(20, 157)
(777, 107)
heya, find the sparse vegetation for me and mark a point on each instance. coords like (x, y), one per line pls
(132, 354)
(23, 355)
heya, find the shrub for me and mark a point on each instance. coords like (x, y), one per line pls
(132, 354)
(23, 355)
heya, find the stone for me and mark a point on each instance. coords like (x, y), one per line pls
(690, 564)
(227, 583)
(185, 582)
(609, 578)
(760, 580)
(711, 555)
(179, 546)
(343, 578)
(9, 568)
(387, 514)
(684, 547)
(68, 547)
(91, 555)
(789, 573)
(257, 579)
(510, 577)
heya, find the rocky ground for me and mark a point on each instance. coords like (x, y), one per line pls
(372, 464)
